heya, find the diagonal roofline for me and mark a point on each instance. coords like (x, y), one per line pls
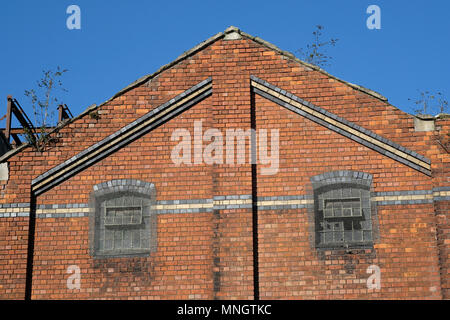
(220, 35)
(229, 32)
(122, 137)
(341, 126)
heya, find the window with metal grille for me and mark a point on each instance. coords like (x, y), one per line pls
(123, 215)
(123, 221)
(342, 211)
(122, 227)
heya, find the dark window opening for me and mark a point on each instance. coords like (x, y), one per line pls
(342, 216)
(123, 221)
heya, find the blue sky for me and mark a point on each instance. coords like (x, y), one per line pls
(120, 41)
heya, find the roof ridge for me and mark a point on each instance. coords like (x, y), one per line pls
(190, 52)
(290, 55)
(218, 36)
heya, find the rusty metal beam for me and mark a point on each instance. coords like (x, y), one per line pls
(64, 113)
(21, 115)
(60, 113)
(13, 108)
(22, 130)
(16, 139)
(8, 118)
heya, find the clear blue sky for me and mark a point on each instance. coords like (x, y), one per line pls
(120, 41)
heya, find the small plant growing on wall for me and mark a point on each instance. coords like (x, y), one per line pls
(315, 52)
(430, 103)
(44, 100)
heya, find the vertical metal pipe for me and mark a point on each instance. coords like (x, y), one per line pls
(8, 118)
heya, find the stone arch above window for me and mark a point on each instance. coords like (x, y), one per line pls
(343, 210)
(122, 219)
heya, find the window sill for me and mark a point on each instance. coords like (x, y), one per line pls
(122, 254)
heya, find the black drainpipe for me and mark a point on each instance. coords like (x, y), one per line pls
(30, 252)
(254, 198)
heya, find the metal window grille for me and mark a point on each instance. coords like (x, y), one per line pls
(343, 216)
(123, 215)
(124, 225)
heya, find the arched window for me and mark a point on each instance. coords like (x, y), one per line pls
(122, 220)
(342, 210)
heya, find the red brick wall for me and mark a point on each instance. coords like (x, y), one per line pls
(291, 267)
(210, 255)
(13, 257)
(441, 178)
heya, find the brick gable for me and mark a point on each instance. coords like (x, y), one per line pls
(206, 213)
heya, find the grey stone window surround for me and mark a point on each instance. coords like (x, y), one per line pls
(122, 188)
(348, 180)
